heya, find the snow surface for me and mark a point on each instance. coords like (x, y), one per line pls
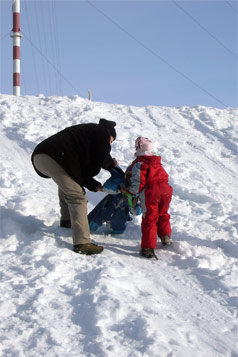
(54, 302)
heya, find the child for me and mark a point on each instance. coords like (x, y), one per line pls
(116, 207)
(150, 181)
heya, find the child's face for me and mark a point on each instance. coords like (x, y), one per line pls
(139, 142)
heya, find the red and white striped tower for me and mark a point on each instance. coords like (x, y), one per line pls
(16, 35)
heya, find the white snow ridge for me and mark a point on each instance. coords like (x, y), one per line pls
(54, 302)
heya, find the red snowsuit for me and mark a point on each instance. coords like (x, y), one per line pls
(150, 180)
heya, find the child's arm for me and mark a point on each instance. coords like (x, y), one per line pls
(138, 177)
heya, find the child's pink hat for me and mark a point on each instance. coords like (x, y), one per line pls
(144, 147)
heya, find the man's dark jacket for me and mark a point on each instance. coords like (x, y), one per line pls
(81, 150)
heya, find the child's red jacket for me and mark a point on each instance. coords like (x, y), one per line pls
(148, 175)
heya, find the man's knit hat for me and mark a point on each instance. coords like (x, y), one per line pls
(144, 147)
(109, 125)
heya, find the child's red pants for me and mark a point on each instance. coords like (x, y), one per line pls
(156, 220)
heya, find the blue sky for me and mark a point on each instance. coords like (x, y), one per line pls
(166, 53)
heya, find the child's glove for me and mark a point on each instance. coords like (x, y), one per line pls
(136, 210)
(134, 204)
(130, 199)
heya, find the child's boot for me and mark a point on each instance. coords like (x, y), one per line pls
(166, 240)
(148, 253)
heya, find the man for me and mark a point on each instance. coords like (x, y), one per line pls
(72, 157)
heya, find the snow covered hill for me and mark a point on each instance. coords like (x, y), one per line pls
(54, 302)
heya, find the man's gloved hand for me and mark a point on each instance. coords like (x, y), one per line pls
(110, 191)
(115, 162)
(111, 188)
(112, 185)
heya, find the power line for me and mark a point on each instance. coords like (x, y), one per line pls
(155, 54)
(56, 69)
(23, 78)
(37, 26)
(203, 28)
(33, 55)
(55, 48)
(4, 36)
(43, 27)
(51, 38)
(228, 3)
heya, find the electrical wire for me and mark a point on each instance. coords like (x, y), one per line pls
(55, 42)
(156, 54)
(40, 44)
(33, 54)
(43, 25)
(23, 77)
(203, 28)
(52, 40)
(56, 69)
(229, 4)
(4, 36)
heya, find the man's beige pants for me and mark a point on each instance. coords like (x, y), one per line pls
(72, 198)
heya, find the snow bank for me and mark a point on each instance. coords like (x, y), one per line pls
(54, 302)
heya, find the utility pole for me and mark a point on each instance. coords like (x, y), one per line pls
(16, 35)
